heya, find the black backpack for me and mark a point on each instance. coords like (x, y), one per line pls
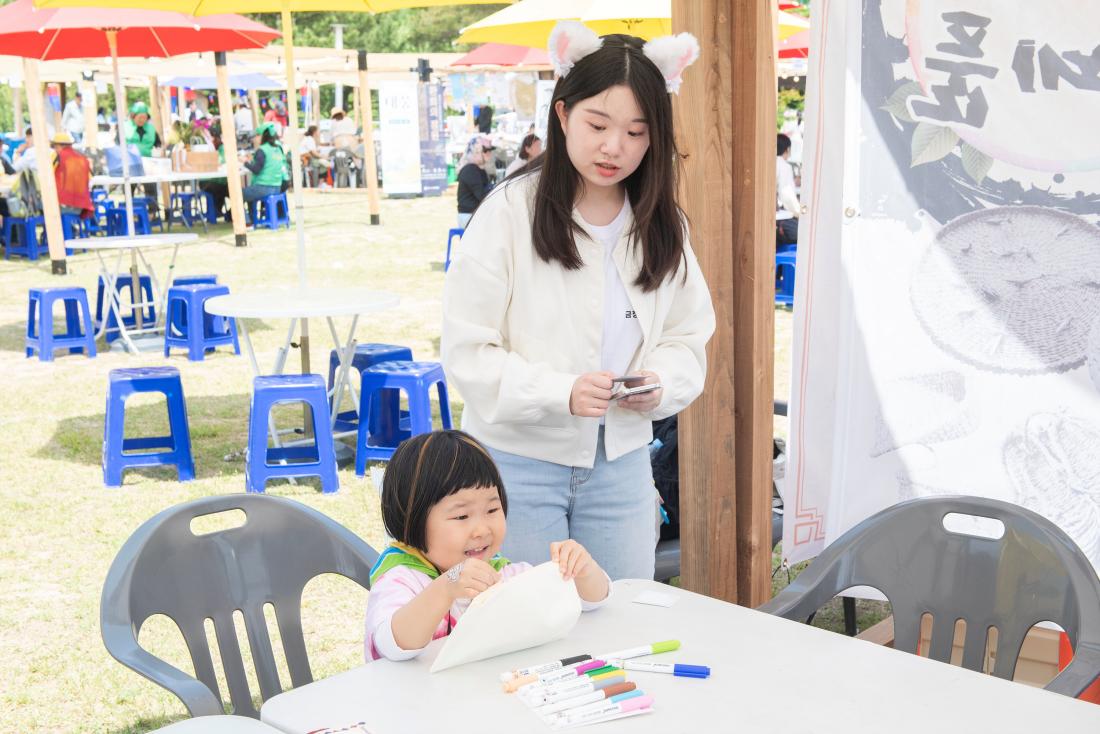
(666, 473)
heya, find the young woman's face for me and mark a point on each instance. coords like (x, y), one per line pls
(534, 149)
(467, 524)
(606, 136)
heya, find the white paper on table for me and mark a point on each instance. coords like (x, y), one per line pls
(530, 609)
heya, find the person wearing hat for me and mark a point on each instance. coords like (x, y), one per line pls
(269, 167)
(140, 130)
(473, 181)
(277, 114)
(73, 174)
(342, 124)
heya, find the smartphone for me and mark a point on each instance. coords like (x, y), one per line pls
(636, 390)
(627, 378)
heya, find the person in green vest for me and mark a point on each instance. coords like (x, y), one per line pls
(140, 130)
(269, 165)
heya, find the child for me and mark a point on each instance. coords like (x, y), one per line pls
(443, 500)
(574, 276)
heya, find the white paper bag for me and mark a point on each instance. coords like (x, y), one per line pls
(530, 609)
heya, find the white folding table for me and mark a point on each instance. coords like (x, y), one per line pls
(298, 305)
(104, 247)
(767, 674)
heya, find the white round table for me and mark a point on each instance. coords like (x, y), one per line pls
(120, 245)
(299, 305)
(217, 725)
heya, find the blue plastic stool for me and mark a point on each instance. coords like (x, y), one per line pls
(275, 209)
(387, 419)
(784, 278)
(123, 383)
(184, 208)
(186, 307)
(451, 235)
(208, 207)
(40, 315)
(216, 323)
(318, 460)
(122, 284)
(116, 220)
(416, 380)
(21, 236)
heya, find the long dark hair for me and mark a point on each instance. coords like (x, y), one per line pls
(658, 222)
(528, 141)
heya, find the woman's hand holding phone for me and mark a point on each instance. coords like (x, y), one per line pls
(591, 395)
(645, 401)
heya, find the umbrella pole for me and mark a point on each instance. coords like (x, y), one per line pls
(120, 110)
(296, 179)
(229, 143)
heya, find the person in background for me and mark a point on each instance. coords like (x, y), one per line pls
(268, 165)
(217, 187)
(23, 157)
(277, 114)
(312, 160)
(530, 148)
(72, 119)
(473, 182)
(787, 207)
(101, 120)
(73, 174)
(242, 118)
(342, 125)
(140, 131)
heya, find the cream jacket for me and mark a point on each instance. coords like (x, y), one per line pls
(517, 332)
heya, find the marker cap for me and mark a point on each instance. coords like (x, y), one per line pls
(634, 704)
(626, 695)
(666, 646)
(691, 671)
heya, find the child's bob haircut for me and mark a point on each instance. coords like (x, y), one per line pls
(425, 469)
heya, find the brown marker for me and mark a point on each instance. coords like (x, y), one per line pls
(586, 698)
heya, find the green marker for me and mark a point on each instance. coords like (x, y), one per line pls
(637, 652)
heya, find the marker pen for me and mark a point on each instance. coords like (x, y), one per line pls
(552, 675)
(577, 710)
(622, 707)
(585, 698)
(677, 669)
(575, 688)
(543, 667)
(637, 652)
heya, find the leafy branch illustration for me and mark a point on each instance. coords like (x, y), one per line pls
(933, 142)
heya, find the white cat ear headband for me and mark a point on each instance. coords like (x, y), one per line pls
(571, 41)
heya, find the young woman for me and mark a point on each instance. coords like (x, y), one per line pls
(268, 165)
(529, 149)
(473, 181)
(572, 274)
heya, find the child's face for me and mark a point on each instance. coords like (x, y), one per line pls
(606, 136)
(467, 524)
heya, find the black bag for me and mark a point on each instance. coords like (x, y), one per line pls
(666, 474)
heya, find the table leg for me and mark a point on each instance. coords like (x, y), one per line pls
(346, 354)
(110, 286)
(135, 287)
(160, 295)
(280, 357)
(307, 415)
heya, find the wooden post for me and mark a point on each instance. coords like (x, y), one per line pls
(17, 110)
(229, 141)
(47, 186)
(157, 117)
(91, 127)
(725, 120)
(366, 119)
(254, 107)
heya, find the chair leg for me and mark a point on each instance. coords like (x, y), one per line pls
(89, 330)
(363, 434)
(181, 434)
(420, 411)
(72, 323)
(444, 404)
(112, 439)
(195, 349)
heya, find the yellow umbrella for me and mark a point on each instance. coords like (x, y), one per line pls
(529, 22)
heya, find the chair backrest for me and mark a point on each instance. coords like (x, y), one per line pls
(164, 568)
(1032, 573)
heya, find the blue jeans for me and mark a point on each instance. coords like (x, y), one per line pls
(610, 509)
(256, 192)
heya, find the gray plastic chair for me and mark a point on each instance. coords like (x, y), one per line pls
(1033, 573)
(164, 568)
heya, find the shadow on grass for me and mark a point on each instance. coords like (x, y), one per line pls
(144, 725)
(218, 425)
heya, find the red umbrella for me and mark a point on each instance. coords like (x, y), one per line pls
(503, 54)
(67, 33)
(796, 46)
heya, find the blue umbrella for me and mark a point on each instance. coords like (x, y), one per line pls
(247, 80)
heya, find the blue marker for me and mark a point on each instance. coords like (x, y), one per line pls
(681, 671)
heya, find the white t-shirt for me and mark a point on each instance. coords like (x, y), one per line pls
(786, 204)
(621, 333)
(307, 145)
(345, 126)
(242, 120)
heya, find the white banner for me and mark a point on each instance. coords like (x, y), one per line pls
(947, 323)
(544, 94)
(399, 128)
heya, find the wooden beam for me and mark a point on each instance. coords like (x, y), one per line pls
(47, 186)
(366, 120)
(88, 104)
(229, 143)
(254, 108)
(17, 110)
(725, 119)
(156, 116)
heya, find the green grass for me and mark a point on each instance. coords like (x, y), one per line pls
(63, 528)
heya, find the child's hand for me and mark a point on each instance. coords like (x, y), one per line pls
(572, 559)
(469, 578)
